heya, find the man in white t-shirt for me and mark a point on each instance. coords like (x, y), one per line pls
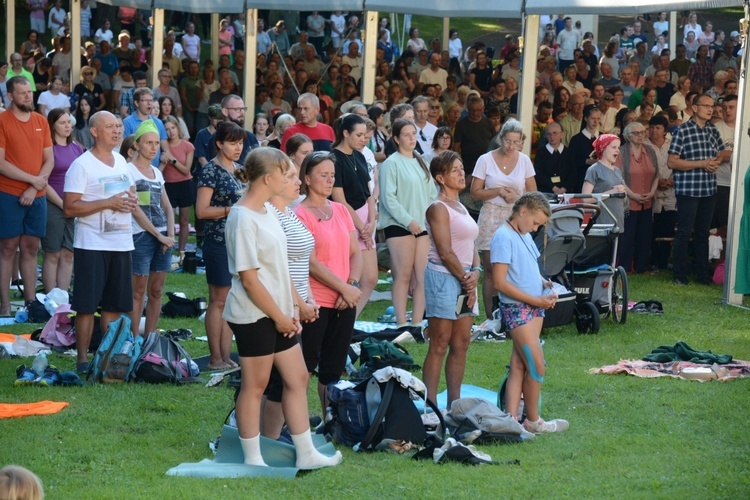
(568, 40)
(100, 193)
(434, 74)
(191, 43)
(425, 130)
(724, 173)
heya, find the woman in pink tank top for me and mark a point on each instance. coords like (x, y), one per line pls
(451, 277)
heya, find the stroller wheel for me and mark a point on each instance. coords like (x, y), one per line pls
(587, 318)
(619, 302)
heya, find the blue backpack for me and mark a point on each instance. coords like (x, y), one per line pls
(117, 353)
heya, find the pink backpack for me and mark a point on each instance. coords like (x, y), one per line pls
(59, 330)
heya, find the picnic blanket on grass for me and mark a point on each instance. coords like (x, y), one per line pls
(229, 460)
(677, 369)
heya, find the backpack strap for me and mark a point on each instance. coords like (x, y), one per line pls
(375, 424)
(437, 412)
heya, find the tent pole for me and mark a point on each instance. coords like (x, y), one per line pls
(673, 40)
(157, 45)
(446, 30)
(215, 39)
(251, 60)
(370, 39)
(530, 40)
(740, 162)
(10, 28)
(75, 41)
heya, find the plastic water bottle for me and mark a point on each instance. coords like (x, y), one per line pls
(40, 364)
(50, 305)
(127, 346)
(22, 316)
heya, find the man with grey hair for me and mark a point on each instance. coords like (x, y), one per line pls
(717, 90)
(100, 193)
(320, 134)
(425, 130)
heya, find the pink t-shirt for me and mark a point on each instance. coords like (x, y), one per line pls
(463, 233)
(180, 152)
(331, 248)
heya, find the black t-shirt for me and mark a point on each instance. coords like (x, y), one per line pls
(352, 176)
(664, 95)
(483, 78)
(474, 138)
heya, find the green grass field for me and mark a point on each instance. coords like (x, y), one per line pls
(629, 437)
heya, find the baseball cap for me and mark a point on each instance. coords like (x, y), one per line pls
(734, 34)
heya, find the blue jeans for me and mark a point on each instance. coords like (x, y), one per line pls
(693, 217)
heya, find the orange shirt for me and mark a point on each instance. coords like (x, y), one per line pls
(24, 144)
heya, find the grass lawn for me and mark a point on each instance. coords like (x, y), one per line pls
(629, 437)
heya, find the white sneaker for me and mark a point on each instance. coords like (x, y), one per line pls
(542, 427)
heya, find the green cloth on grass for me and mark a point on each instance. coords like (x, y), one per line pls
(683, 352)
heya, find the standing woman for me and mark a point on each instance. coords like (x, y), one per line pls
(57, 267)
(441, 141)
(452, 272)
(262, 312)
(406, 190)
(153, 229)
(90, 88)
(638, 163)
(415, 44)
(665, 203)
(167, 108)
(206, 86)
(53, 98)
(298, 147)
(351, 189)
(81, 132)
(218, 190)
(260, 127)
(178, 178)
(226, 38)
(335, 270)
(604, 177)
(523, 300)
(480, 77)
(500, 177)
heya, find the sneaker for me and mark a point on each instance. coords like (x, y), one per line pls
(82, 368)
(24, 376)
(542, 427)
(50, 377)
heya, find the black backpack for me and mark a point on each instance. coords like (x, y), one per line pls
(179, 307)
(366, 415)
(161, 361)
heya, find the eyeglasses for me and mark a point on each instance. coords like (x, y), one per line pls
(88, 73)
(638, 132)
(237, 110)
(150, 101)
(444, 138)
(704, 105)
(434, 107)
(515, 143)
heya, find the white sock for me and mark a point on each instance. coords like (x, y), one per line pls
(310, 458)
(251, 449)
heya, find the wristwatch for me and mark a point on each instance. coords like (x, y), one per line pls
(173, 161)
(353, 283)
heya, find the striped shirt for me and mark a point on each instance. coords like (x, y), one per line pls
(300, 244)
(693, 142)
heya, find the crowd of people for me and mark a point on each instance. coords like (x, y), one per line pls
(287, 215)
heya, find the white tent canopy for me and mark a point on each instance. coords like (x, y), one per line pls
(510, 9)
(633, 7)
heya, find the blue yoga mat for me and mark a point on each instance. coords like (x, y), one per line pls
(467, 391)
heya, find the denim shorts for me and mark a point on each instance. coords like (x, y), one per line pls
(148, 256)
(217, 264)
(441, 291)
(517, 314)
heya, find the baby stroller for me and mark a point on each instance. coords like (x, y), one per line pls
(581, 256)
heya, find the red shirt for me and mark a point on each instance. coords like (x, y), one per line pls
(24, 144)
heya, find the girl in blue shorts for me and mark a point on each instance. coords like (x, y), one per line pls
(524, 296)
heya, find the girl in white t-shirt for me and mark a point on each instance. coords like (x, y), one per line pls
(261, 311)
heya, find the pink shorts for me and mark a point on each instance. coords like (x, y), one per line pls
(363, 213)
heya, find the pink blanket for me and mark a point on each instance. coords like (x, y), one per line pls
(677, 369)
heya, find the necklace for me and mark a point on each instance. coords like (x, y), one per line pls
(502, 162)
(448, 198)
(323, 215)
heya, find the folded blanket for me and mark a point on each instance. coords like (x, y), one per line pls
(683, 352)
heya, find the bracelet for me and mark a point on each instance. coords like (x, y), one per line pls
(476, 268)
(226, 211)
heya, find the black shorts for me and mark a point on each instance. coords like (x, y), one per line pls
(398, 231)
(325, 342)
(104, 277)
(260, 339)
(181, 194)
(217, 264)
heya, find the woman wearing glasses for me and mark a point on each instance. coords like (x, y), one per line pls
(441, 141)
(500, 178)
